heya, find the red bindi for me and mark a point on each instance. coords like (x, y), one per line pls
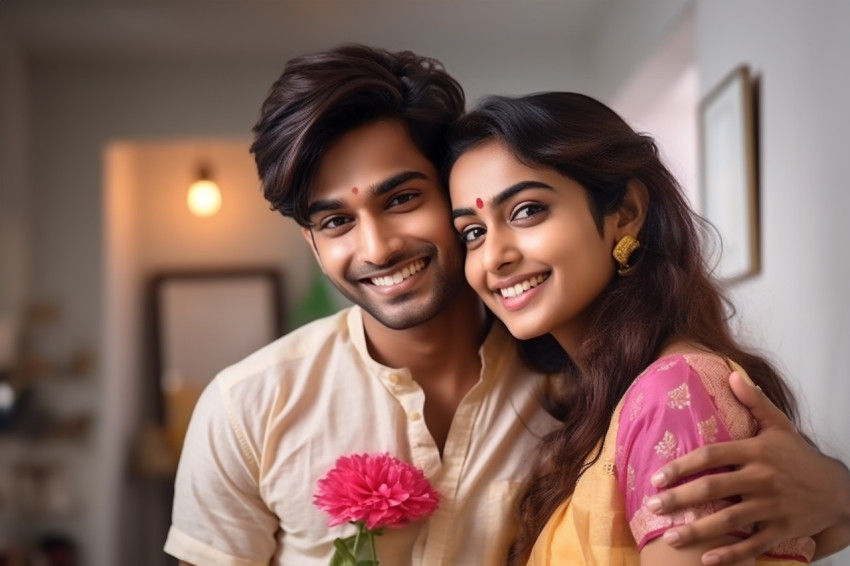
(354, 190)
(479, 203)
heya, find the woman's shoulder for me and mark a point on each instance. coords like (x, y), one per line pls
(688, 362)
(688, 377)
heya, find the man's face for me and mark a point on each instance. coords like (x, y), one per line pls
(380, 226)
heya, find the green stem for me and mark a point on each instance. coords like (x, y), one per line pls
(357, 538)
(374, 549)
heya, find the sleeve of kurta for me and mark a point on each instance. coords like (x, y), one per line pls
(219, 517)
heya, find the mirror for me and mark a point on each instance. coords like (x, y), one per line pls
(204, 321)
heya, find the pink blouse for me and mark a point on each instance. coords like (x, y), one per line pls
(679, 403)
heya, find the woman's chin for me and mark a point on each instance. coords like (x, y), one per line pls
(524, 331)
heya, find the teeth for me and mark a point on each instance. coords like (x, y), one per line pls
(520, 288)
(399, 275)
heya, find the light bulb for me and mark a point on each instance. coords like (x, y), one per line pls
(204, 198)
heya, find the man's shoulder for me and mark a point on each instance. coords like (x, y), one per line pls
(296, 347)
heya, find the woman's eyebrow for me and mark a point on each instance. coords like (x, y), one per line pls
(503, 196)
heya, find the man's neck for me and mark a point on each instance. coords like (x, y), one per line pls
(449, 340)
(441, 354)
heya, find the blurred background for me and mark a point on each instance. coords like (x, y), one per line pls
(111, 109)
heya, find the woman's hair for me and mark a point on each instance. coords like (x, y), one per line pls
(670, 294)
(321, 96)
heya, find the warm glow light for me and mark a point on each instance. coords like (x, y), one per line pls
(204, 198)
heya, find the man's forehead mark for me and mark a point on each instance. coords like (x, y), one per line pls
(479, 203)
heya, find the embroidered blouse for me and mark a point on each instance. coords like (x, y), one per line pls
(679, 403)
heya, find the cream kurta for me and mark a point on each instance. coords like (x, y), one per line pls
(268, 427)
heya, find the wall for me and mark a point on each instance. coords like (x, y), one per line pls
(796, 309)
(14, 247)
(79, 108)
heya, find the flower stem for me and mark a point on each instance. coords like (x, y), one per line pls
(374, 548)
(357, 538)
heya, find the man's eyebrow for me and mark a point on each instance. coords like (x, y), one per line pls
(376, 190)
(318, 206)
(396, 180)
(504, 196)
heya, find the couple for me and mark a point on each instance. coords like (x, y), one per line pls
(350, 144)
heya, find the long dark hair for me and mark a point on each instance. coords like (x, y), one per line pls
(321, 96)
(670, 295)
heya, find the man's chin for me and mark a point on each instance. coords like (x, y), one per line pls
(403, 319)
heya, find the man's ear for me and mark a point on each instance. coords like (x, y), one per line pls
(308, 235)
(632, 212)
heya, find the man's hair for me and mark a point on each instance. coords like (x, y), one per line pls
(321, 96)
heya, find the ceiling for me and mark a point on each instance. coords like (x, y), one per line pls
(260, 28)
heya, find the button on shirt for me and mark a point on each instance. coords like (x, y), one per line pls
(267, 428)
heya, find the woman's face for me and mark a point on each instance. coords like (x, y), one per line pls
(534, 252)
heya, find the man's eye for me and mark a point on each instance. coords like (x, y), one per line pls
(401, 198)
(333, 222)
(527, 210)
(471, 234)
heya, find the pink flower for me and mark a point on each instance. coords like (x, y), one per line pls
(377, 489)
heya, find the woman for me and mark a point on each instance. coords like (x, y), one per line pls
(574, 228)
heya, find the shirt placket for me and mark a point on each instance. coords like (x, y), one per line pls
(442, 524)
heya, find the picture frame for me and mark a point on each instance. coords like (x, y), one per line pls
(206, 319)
(729, 175)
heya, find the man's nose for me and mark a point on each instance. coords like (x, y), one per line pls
(379, 241)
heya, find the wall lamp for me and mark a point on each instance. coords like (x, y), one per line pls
(204, 197)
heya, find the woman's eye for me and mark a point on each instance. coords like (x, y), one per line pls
(527, 210)
(471, 234)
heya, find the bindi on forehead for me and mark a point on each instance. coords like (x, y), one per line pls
(479, 203)
(354, 190)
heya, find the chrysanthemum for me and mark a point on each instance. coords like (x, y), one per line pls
(377, 489)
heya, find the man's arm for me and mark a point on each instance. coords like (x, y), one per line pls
(787, 488)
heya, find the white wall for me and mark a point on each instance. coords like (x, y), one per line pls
(796, 309)
(798, 305)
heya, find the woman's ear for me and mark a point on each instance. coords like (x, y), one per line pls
(632, 211)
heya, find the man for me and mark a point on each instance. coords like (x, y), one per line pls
(348, 144)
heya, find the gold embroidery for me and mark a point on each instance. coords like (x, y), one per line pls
(666, 364)
(645, 521)
(679, 397)
(636, 407)
(714, 373)
(630, 477)
(667, 447)
(708, 430)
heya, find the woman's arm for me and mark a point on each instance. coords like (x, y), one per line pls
(786, 486)
(659, 553)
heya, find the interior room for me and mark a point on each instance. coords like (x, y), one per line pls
(111, 109)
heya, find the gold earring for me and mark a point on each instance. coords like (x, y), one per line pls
(623, 251)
